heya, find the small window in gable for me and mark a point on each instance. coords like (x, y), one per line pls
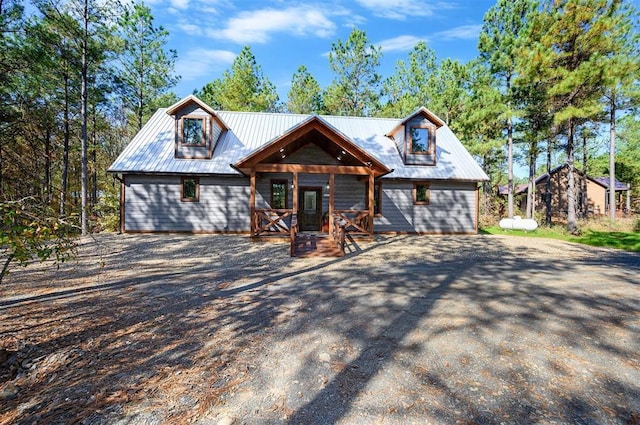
(421, 193)
(193, 131)
(423, 140)
(190, 191)
(279, 194)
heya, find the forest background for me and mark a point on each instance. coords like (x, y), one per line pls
(553, 80)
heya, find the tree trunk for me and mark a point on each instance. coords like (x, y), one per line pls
(572, 224)
(509, 151)
(612, 158)
(83, 113)
(531, 190)
(65, 150)
(583, 182)
(47, 167)
(94, 161)
(547, 196)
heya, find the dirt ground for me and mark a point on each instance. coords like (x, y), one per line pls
(170, 329)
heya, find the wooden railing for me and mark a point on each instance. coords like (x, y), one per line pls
(356, 222)
(292, 234)
(270, 222)
(338, 233)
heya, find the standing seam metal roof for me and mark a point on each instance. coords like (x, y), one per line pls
(152, 149)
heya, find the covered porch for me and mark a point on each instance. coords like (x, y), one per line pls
(314, 188)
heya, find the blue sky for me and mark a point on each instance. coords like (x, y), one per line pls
(283, 35)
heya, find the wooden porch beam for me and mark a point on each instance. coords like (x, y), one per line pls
(295, 193)
(252, 201)
(331, 201)
(371, 202)
(312, 169)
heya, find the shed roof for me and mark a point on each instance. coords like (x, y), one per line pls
(152, 150)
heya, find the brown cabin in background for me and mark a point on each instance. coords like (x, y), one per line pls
(592, 192)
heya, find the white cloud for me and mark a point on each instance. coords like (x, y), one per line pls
(401, 43)
(199, 62)
(179, 4)
(258, 26)
(190, 29)
(402, 9)
(463, 32)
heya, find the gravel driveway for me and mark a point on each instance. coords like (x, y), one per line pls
(155, 329)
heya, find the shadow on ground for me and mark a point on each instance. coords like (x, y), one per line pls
(177, 329)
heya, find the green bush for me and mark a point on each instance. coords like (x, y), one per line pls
(107, 212)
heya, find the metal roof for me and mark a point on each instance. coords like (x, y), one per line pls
(152, 150)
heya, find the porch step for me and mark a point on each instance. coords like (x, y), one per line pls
(315, 245)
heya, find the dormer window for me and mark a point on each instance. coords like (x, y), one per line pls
(422, 140)
(198, 128)
(193, 131)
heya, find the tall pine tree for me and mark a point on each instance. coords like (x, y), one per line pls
(501, 41)
(146, 70)
(242, 88)
(305, 95)
(571, 53)
(355, 87)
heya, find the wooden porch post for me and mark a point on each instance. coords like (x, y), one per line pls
(252, 200)
(295, 193)
(371, 202)
(331, 201)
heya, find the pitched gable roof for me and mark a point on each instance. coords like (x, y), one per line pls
(420, 111)
(192, 99)
(152, 150)
(335, 143)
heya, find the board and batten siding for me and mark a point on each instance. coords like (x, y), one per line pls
(153, 204)
(451, 208)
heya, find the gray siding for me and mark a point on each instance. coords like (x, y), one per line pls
(451, 209)
(152, 203)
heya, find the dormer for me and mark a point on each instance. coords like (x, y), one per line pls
(197, 128)
(415, 137)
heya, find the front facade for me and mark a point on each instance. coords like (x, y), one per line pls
(193, 169)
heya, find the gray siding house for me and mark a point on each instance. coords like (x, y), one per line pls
(193, 169)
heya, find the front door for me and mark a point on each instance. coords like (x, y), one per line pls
(310, 209)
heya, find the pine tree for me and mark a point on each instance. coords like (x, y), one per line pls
(146, 70)
(571, 53)
(622, 82)
(355, 88)
(410, 87)
(305, 95)
(449, 86)
(501, 41)
(242, 88)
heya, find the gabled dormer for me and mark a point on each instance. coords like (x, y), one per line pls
(415, 137)
(197, 128)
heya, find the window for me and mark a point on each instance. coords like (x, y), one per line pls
(279, 194)
(421, 193)
(193, 131)
(309, 200)
(190, 189)
(422, 140)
